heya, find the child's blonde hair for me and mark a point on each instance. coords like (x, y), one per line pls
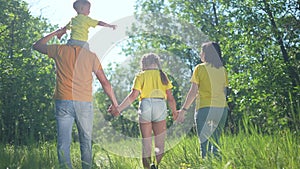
(151, 58)
(78, 4)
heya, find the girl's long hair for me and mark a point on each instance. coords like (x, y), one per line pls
(151, 58)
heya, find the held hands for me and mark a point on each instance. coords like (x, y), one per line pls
(175, 115)
(113, 110)
(180, 116)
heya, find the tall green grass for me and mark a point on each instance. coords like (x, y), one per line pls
(38, 156)
(261, 151)
(247, 150)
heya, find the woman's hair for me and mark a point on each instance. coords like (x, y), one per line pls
(212, 54)
(151, 58)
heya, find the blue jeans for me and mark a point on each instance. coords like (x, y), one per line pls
(80, 43)
(66, 112)
(210, 122)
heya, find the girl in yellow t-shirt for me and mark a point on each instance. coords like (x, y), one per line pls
(154, 88)
(209, 83)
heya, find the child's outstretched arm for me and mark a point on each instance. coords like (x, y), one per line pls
(101, 23)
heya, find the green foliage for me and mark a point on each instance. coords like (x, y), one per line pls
(27, 78)
(260, 45)
(259, 40)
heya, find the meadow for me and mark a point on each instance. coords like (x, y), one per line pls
(246, 150)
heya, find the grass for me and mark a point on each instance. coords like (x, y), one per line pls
(23, 157)
(247, 150)
(279, 151)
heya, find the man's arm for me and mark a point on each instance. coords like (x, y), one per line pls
(107, 87)
(41, 45)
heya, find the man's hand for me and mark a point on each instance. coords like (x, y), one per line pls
(61, 32)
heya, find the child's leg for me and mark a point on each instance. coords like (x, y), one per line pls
(82, 44)
(146, 131)
(159, 130)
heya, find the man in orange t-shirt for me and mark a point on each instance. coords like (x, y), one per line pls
(73, 95)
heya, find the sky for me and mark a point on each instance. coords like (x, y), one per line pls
(59, 12)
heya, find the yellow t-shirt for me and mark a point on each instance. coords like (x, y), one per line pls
(74, 68)
(211, 86)
(149, 84)
(80, 25)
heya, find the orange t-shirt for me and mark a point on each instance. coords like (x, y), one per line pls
(74, 68)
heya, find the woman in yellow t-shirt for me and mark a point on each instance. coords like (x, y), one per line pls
(154, 88)
(209, 83)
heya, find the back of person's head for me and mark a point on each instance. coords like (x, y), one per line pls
(78, 4)
(150, 59)
(212, 54)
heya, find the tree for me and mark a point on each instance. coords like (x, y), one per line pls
(27, 78)
(260, 44)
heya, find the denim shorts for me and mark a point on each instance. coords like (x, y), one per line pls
(152, 110)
